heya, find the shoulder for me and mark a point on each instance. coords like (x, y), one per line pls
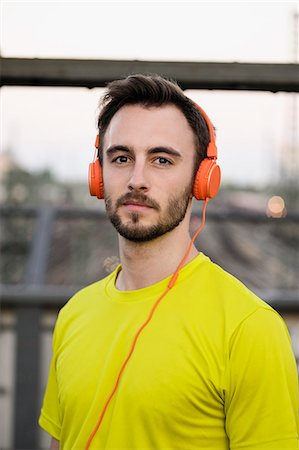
(229, 292)
(265, 327)
(228, 286)
(84, 302)
(225, 300)
(252, 323)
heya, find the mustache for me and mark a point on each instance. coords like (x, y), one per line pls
(137, 197)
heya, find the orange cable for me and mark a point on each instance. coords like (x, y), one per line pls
(170, 285)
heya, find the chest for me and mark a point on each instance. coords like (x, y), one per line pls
(175, 366)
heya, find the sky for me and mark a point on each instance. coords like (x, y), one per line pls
(55, 127)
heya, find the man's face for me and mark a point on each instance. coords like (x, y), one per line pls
(148, 163)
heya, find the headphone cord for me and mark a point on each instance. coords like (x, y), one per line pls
(169, 286)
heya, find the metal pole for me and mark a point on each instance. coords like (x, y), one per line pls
(28, 339)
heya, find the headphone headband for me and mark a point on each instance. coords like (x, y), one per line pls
(212, 147)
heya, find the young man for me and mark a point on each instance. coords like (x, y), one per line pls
(208, 366)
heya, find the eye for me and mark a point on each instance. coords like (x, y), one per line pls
(163, 161)
(120, 159)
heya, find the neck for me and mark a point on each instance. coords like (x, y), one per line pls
(147, 263)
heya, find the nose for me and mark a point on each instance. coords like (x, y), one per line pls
(138, 178)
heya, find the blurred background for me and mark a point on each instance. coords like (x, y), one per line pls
(239, 61)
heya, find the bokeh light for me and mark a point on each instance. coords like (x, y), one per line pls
(276, 207)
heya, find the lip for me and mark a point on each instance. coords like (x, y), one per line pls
(131, 206)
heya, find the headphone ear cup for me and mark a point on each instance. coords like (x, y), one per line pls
(207, 180)
(95, 179)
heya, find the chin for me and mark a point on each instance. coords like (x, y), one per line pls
(142, 233)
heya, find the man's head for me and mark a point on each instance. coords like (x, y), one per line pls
(149, 91)
(152, 140)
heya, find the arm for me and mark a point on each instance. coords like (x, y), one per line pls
(49, 418)
(262, 399)
(54, 444)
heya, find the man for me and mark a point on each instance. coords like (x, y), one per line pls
(142, 360)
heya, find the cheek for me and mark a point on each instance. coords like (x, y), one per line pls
(111, 180)
(105, 179)
(178, 182)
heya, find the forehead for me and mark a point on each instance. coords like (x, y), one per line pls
(136, 125)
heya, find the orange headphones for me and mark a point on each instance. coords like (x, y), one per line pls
(207, 179)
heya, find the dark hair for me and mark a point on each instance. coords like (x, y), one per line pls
(151, 90)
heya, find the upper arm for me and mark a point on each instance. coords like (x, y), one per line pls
(49, 418)
(262, 397)
(54, 444)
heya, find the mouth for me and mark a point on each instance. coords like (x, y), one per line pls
(133, 202)
(136, 206)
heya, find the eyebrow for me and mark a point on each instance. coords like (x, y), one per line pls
(152, 151)
(168, 150)
(117, 148)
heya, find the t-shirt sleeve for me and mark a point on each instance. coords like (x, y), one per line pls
(261, 400)
(49, 418)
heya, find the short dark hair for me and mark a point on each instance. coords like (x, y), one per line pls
(151, 90)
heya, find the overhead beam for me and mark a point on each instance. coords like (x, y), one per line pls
(189, 75)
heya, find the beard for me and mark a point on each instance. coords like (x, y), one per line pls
(133, 230)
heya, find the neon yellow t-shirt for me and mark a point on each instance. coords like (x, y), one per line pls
(214, 368)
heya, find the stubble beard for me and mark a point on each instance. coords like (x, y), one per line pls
(132, 230)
